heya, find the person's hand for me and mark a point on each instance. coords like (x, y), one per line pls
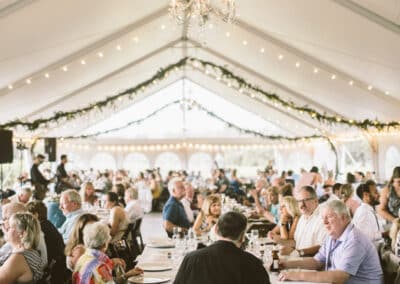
(134, 271)
(276, 238)
(286, 250)
(285, 218)
(119, 261)
(76, 254)
(288, 275)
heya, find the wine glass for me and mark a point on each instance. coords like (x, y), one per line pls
(254, 235)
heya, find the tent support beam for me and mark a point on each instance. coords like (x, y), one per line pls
(370, 15)
(13, 7)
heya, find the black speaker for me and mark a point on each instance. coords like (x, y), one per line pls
(6, 147)
(50, 147)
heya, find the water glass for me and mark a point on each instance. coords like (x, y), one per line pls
(254, 235)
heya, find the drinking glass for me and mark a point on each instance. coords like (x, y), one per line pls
(254, 235)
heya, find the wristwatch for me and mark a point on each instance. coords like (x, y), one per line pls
(301, 252)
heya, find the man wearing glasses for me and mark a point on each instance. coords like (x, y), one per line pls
(310, 232)
(347, 255)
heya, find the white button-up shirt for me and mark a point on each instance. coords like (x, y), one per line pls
(134, 211)
(310, 231)
(366, 220)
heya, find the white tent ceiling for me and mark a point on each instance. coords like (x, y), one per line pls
(356, 41)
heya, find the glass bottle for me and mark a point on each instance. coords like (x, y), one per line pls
(275, 260)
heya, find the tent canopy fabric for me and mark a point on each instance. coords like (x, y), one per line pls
(336, 56)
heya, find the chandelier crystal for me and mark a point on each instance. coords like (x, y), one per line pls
(200, 10)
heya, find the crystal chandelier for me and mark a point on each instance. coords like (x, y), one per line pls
(200, 10)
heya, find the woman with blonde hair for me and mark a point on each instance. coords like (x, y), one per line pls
(74, 246)
(209, 214)
(345, 195)
(24, 265)
(88, 195)
(289, 217)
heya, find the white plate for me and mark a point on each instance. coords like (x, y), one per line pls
(147, 280)
(153, 267)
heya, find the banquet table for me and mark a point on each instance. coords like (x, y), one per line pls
(153, 256)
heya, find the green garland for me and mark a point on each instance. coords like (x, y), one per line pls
(138, 121)
(212, 114)
(225, 74)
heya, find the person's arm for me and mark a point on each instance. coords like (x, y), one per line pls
(259, 208)
(115, 221)
(14, 269)
(311, 251)
(283, 227)
(274, 234)
(293, 227)
(333, 276)
(197, 224)
(168, 226)
(383, 203)
(305, 263)
(268, 215)
(223, 188)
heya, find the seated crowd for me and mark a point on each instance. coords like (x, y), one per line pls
(72, 237)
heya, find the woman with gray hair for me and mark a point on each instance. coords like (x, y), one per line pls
(94, 266)
(24, 265)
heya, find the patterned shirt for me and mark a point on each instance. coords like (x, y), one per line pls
(93, 267)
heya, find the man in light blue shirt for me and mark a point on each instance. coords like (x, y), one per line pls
(346, 256)
(70, 204)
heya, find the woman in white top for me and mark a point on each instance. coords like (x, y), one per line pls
(118, 220)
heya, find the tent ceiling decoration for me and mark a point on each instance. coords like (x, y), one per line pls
(311, 70)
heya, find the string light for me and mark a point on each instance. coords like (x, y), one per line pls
(47, 75)
(351, 82)
(28, 81)
(333, 77)
(244, 42)
(100, 54)
(280, 56)
(227, 34)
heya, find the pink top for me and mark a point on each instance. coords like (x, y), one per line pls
(352, 205)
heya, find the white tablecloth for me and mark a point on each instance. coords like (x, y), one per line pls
(162, 257)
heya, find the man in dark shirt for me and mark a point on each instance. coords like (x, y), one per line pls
(222, 182)
(223, 261)
(62, 176)
(37, 179)
(173, 213)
